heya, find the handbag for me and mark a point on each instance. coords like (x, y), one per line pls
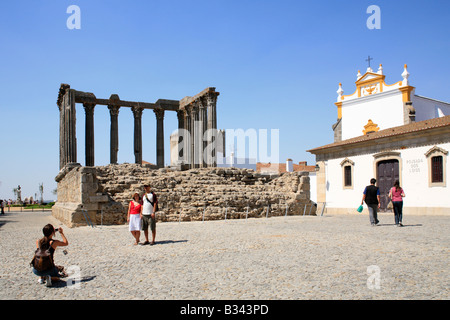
(360, 209)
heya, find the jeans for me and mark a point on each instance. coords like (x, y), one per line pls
(373, 213)
(398, 211)
(53, 272)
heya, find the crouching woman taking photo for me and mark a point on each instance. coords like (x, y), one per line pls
(43, 263)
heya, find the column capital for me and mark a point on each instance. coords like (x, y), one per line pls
(113, 110)
(137, 111)
(200, 104)
(189, 109)
(181, 113)
(194, 107)
(88, 107)
(159, 112)
(211, 97)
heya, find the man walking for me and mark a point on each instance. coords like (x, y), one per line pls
(148, 210)
(372, 198)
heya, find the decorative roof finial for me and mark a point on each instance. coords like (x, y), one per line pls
(358, 76)
(340, 92)
(405, 76)
(380, 69)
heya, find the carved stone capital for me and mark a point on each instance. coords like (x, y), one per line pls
(189, 109)
(137, 112)
(200, 104)
(89, 108)
(181, 113)
(211, 98)
(113, 110)
(159, 112)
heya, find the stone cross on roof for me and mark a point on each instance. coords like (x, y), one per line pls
(368, 60)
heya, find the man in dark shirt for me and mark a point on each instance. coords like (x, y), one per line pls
(372, 198)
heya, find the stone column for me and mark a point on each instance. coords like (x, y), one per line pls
(187, 143)
(211, 99)
(137, 113)
(61, 135)
(194, 135)
(181, 139)
(89, 134)
(114, 133)
(67, 122)
(201, 132)
(159, 137)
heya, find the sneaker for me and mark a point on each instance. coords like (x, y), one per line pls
(41, 281)
(48, 281)
(400, 224)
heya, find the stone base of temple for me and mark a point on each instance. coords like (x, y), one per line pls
(101, 195)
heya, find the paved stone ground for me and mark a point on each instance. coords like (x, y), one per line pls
(277, 258)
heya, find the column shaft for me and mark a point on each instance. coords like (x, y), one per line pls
(201, 132)
(159, 137)
(181, 139)
(194, 118)
(114, 133)
(61, 136)
(212, 127)
(69, 138)
(188, 137)
(137, 113)
(89, 134)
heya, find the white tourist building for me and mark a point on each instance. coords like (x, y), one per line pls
(386, 132)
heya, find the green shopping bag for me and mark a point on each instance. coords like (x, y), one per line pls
(360, 209)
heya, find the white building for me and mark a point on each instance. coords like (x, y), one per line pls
(386, 132)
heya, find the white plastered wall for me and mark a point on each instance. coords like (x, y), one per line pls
(428, 108)
(414, 176)
(384, 109)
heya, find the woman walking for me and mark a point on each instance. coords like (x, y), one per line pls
(396, 194)
(134, 217)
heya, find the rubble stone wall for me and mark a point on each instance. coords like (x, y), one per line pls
(105, 192)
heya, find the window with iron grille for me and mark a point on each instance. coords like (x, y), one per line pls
(348, 176)
(437, 172)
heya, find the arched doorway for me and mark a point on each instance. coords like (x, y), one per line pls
(387, 172)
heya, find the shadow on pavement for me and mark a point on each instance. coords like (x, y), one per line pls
(67, 282)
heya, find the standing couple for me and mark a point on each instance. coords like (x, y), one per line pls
(141, 214)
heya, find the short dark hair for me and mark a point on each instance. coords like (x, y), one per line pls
(373, 181)
(146, 186)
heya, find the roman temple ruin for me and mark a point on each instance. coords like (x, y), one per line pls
(194, 189)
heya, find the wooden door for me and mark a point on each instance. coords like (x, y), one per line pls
(387, 173)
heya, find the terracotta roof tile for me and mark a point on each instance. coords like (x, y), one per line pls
(394, 131)
(281, 167)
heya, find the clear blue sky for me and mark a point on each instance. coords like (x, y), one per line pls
(277, 65)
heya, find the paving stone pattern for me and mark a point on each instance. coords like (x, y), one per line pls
(297, 257)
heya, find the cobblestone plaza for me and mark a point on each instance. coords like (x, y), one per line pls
(280, 258)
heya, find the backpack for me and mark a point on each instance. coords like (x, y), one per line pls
(42, 260)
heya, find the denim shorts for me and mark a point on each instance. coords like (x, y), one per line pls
(51, 272)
